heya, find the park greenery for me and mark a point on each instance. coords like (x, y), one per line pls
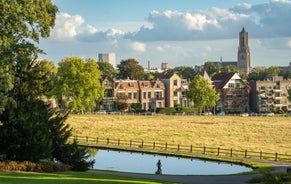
(29, 129)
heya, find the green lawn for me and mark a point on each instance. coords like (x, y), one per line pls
(67, 178)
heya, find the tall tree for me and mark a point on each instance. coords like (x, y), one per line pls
(130, 69)
(185, 72)
(107, 69)
(201, 93)
(78, 83)
(211, 68)
(26, 128)
(274, 71)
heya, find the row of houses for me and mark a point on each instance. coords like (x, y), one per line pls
(168, 89)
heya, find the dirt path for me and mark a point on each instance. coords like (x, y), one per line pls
(192, 179)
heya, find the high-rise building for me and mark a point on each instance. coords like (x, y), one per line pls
(243, 54)
(107, 57)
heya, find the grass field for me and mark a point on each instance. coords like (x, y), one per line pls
(67, 178)
(267, 134)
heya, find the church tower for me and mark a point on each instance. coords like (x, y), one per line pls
(243, 54)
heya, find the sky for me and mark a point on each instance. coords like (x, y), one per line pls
(178, 32)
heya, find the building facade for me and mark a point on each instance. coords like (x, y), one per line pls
(243, 54)
(233, 93)
(270, 95)
(107, 57)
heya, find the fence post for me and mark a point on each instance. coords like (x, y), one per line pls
(246, 153)
(87, 139)
(230, 152)
(178, 147)
(218, 150)
(166, 146)
(118, 142)
(191, 148)
(261, 155)
(204, 150)
(276, 156)
(97, 140)
(107, 140)
(154, 145)
(130, 143)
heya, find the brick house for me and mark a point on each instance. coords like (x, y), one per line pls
(233, 92)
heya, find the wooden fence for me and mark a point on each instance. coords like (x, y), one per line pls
(179, 149)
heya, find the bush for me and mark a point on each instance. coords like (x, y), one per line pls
(33, 167)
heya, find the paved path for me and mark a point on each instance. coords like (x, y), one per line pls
(192, 179)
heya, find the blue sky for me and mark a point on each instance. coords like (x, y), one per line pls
(180, 32)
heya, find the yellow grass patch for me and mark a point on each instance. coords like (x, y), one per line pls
(267, 134)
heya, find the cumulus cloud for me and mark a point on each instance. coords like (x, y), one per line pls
(66, 27)
(270, 19)
(138, 46)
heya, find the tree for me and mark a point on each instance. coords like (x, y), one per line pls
(185, 72)
(201, 93)
(107, 69)
(130, 69)
(211, 68)
(274, 71)
(258, 73)
(26, 122)
(229, 68)
(78, 82)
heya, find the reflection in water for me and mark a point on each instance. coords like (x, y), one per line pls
(147, 163)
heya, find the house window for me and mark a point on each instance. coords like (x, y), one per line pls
(149, 95)
(159, 104)
(129, 95)
(144, 95)
(231, 85)
(134, 95)
(175, 93)
(175, 82)
(121, 86)
(158, 94)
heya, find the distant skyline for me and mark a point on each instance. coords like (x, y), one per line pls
(179, 32)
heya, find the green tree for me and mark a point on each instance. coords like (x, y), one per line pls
(78, 83)
(26, 122)
(274, 71)
(131, 69)
(185, 72)
(107, 69)
(211, 68)
(229, 68)
(201, 93)
(258, 73)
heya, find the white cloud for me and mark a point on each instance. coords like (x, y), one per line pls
(270, 19)
(138, 46)
(66, 26)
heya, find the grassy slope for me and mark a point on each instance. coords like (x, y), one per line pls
(67, 178)
(267, 134)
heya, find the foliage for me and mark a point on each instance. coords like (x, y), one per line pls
(136, 107)
(131, 69)
(273, 71)
(269, 178)
(201, 93)
(107, 69)
(289, 95)
(185, 72)
(27, 166)
(211, 68)
(78, 84)
(229, 68)
(75, 156)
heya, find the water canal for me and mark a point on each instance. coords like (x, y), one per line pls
(146, 163)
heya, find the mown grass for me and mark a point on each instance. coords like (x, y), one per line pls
(67, 178)
(267, 134)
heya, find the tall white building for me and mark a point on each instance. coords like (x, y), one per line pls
(107, 57)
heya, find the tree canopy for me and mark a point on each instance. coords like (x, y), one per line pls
(201, 93)
(78, 83)
(131, 69)
(107, 69)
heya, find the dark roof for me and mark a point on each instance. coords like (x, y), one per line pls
(226, 63)
(165, 75)
(220, 79)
